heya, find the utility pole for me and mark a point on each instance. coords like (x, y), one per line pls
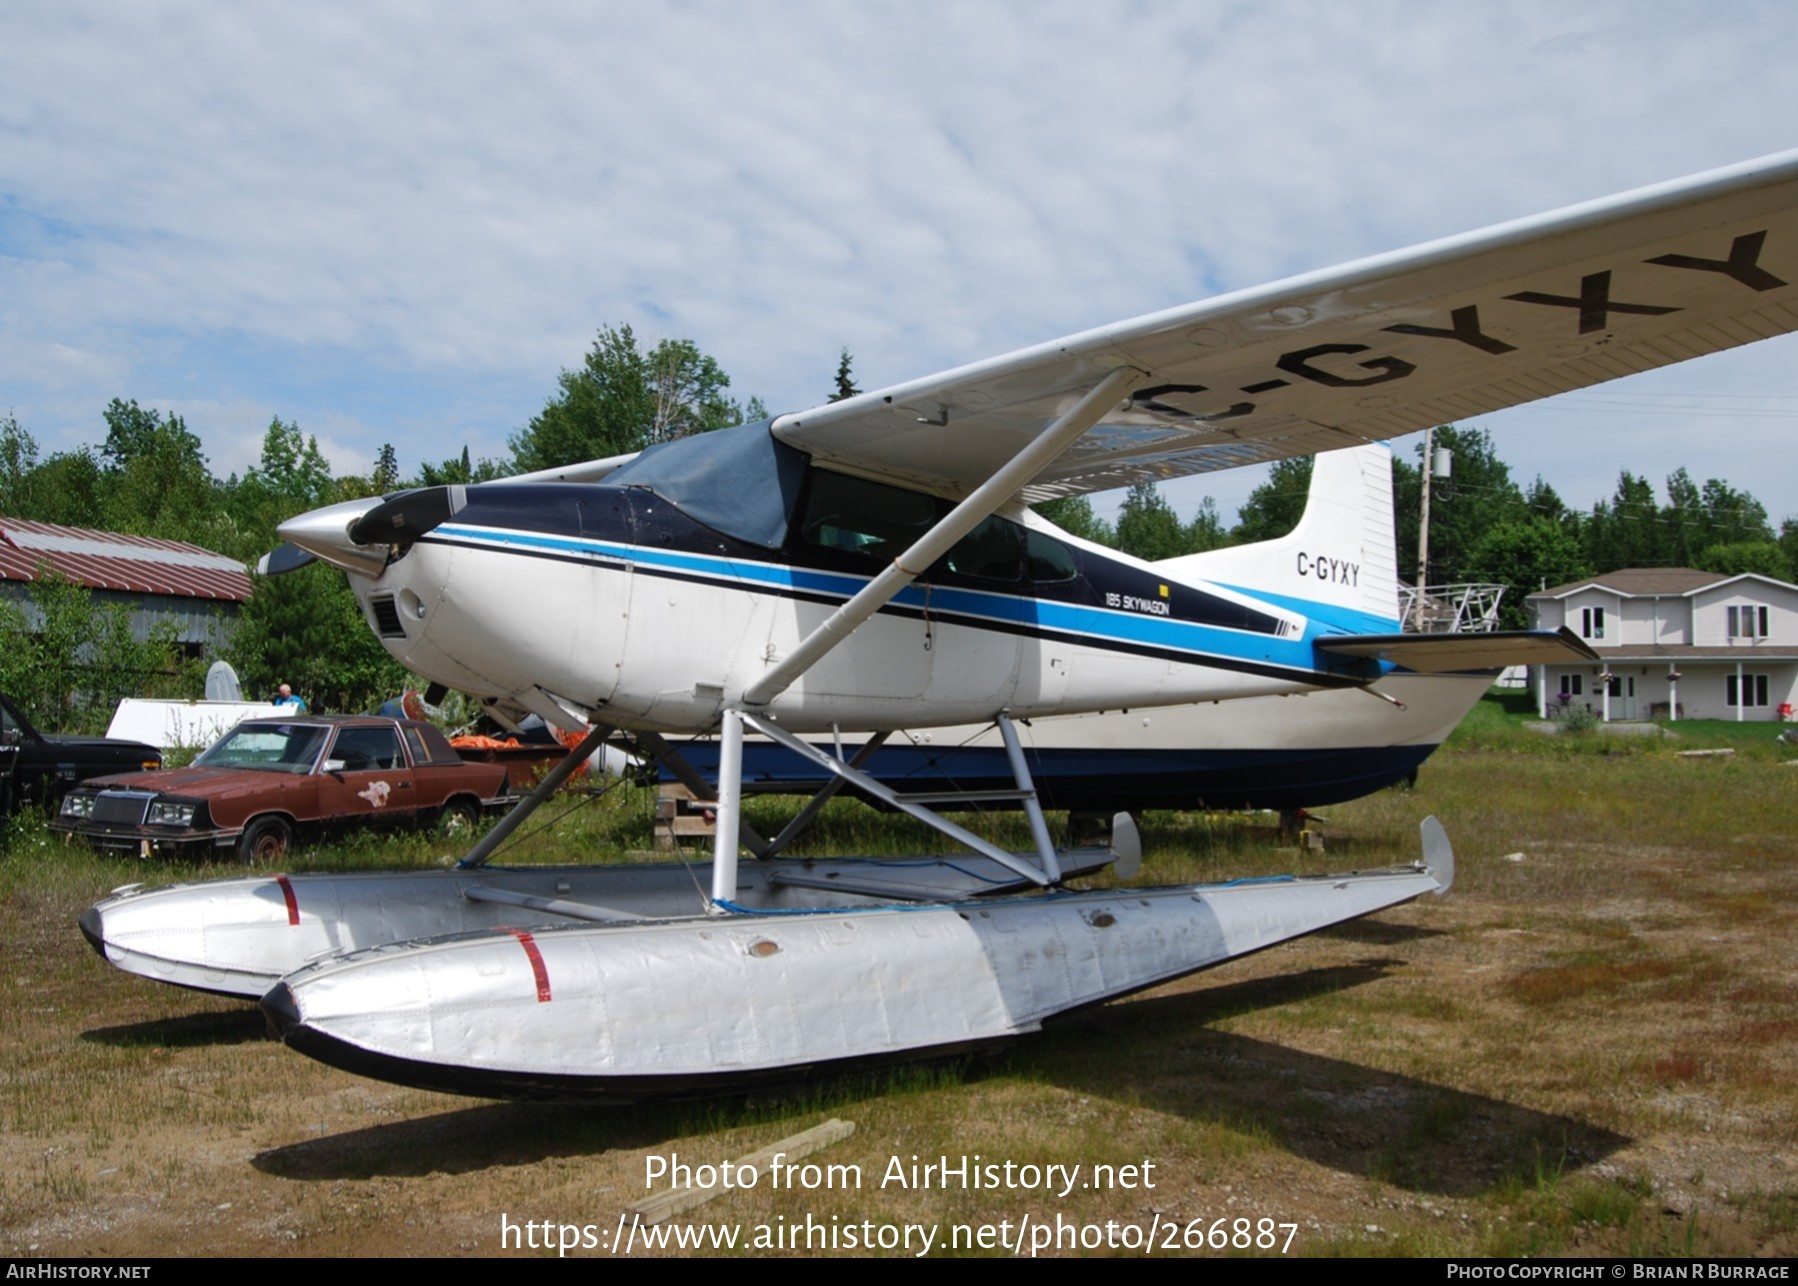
(1429, 467)
(1423, 529)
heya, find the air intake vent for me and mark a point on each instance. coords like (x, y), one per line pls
(386, 617)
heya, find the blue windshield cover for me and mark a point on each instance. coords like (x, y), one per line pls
(742, 481)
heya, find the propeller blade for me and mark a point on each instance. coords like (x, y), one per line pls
(283, 558)
(403, 518)
(324, 533)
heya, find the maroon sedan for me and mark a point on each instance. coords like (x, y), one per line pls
(268, 780)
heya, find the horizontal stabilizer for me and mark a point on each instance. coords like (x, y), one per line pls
(1453, 653)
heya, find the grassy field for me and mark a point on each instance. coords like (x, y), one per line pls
(1586, 1048)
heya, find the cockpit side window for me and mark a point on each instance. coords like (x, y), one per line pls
(847, 515)
(855, 516)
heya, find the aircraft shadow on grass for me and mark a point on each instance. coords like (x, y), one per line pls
(186, 1031)
(1419, 1135)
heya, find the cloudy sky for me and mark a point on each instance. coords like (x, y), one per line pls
(396, 222)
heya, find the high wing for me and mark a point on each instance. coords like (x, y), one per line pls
(1363, 352)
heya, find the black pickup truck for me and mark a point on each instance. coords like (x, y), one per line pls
(35, 769)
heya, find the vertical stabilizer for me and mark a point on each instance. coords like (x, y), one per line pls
(1342, 554)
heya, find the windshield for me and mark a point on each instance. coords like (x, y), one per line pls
(275, 747)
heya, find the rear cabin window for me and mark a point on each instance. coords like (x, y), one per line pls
(437, 749)
(992, 551)
(366, 749)
(1047, 559)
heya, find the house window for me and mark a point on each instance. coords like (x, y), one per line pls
(1753, 691)
(1591, 622)
(1570, 685)
(1748, 622)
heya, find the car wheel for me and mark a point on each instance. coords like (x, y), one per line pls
(457, 819)
(265, 842)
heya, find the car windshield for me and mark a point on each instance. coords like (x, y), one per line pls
(275, 747)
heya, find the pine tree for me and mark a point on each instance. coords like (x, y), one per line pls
(845, 381)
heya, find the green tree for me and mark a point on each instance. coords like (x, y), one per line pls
(1147, 526)
(44, 674)
(1275, 507)
(386, 475)
(18, 465)
(604, 408)
(1525, 556)
(68, 489)
(69, 660)
(1626, 531)
(845, 380)
(1734, 516)
(1206, 530)
(155, 479)
(291, 476)
(132, 432)
(1478, 495)
(304, 627)
(1074, 515)
(623, 399)
(449, 472)
(459, 469)
(292, 468)
(1685, 527)
(689, 392)
(1734, 558)
(1632, 530)
(1788, 541)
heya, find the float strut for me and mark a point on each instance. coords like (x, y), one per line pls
(730, 804)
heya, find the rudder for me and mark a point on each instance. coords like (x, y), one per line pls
(1343, 553)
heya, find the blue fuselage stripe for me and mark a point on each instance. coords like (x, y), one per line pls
(1098, 626)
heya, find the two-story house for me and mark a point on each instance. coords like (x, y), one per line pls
(1676, 644)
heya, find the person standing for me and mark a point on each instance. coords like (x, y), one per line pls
(285, 697)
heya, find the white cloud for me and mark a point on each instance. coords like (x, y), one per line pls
(395, 222)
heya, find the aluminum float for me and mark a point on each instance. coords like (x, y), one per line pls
(694, 1003)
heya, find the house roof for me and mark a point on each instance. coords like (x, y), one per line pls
(1643, 582)
(1642, 653)
(109, 560)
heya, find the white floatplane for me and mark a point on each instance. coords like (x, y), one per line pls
(242, 936)
(872, 565)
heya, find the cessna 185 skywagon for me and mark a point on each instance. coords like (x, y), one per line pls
(872, 564)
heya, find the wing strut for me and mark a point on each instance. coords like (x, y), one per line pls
(981, 504)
